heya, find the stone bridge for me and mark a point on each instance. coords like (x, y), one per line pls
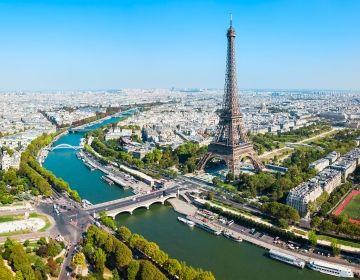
(139, 204)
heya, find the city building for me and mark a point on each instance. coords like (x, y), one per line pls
(320, 164)
(327, 180)
(9, 161)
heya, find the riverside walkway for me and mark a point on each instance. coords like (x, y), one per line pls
(248, 237)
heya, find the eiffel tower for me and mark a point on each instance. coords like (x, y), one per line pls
(231, 142)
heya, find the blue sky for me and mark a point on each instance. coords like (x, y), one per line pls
(101, 44)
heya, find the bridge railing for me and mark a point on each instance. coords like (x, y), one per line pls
(146, 203)
(128, 198)
(65, 146)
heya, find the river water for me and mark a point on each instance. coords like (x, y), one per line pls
(227, 259)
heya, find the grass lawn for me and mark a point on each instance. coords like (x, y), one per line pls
(15, 232)
(353, 208)
(11, 218)
(47, 221)
(340, 241)
(299, 231)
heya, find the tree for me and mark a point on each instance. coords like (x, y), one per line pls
(107, 221)
(216, 181)
(124, 233)
(173, 267)
(20, 262)
(148, 271)
(335, 247)
(115, 274)
(315, 222)
(230, 176)
(312, 238)
(123, 255)
(281, 211)
(99, 260)
(78, 259)
(53, 267)
(19, 276)
(283, 223)
(41, 269)
(205, 275)
(5, 273)
(210, 195)
(133, 269)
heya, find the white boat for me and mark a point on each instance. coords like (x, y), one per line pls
(186, 221)
(91, 167)
(232, 236)
(86, 202)
(286, 258)
(107, 180)
(209, 228)
(331, 269)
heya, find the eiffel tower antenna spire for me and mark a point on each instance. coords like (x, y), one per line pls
(231, 142)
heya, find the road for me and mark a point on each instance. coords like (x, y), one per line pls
(70, 224)
(73, 220)
(116, 204)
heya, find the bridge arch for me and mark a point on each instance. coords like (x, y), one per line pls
(65, 146)
(146, 205)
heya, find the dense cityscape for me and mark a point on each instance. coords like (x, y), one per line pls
(180, 183)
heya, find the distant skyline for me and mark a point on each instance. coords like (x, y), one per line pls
(104, 44)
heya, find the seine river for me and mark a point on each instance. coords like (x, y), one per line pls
(226, 259)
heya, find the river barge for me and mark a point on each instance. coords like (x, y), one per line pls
(286, 258)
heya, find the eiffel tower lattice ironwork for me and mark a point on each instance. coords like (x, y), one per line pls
(231, 142)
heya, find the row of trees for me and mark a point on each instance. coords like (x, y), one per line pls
(99, 115)
(151, 263)
(283, 213)
(151, 250)
(103, 249)
(40, 177)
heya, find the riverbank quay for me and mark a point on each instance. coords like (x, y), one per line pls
(262, 240)
(269, 243)
(254, 218)
(182, 207)
(121, 178)
(292, 229)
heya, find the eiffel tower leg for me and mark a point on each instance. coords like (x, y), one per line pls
(202, 162)
(257, 162)
(231, 166)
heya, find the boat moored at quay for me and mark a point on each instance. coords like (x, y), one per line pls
(286, 258)
(209, 228)
(331, 269)
(232, 236)
(186, 221)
